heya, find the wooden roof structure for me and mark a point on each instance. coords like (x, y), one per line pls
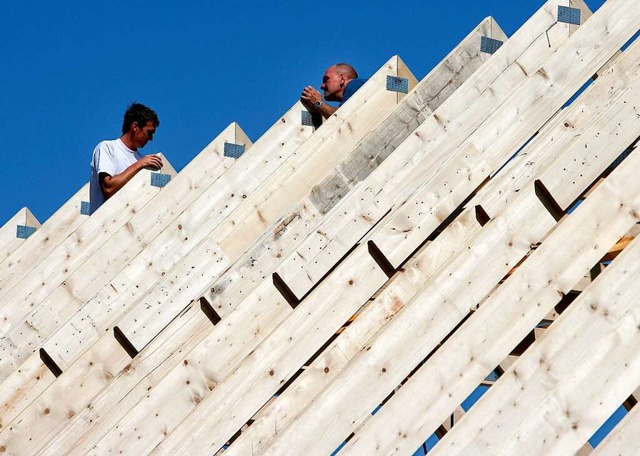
(348, 284)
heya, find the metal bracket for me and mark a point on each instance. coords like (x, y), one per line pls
(306, 118)
(397, 84)
(569, 15)
(233, 150)
(159, 179)
(85, 208)
(489, 45)
(23, 232)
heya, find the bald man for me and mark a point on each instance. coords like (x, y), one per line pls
(339, 83)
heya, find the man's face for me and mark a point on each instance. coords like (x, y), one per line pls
(333, 84)
(143, 135)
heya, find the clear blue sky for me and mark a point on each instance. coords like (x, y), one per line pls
(69, 69)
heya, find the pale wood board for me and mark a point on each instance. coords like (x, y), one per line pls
(519, 239)
(563, 388)
(294, 234)
(426, 151)
(332, 361)
(9, 241)
(316, 158)
(325, 126)
(41, 243)
(459, 369)
(51, 274)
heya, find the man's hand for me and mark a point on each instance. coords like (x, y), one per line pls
(111, 184)
(150, 161)
(310, 96)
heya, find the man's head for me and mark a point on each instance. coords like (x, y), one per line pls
(140, 123)
(335, 79)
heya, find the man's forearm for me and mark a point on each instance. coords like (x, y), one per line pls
(326, 110)
(111, 184)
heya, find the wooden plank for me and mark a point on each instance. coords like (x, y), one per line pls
(493, 142)
(451, 365)
(425, 152)
(184, 189)
(189, 187)
(211, 423)
(65, 429)
(557, 395)
(284, 227)
(50, 274)
(41, 243)
(514, 235)
(260, 261)
(262, 373)
(25, 384)
(9, 241)
(624, 438)
(306, 389)
(34, 381)
(317, 157)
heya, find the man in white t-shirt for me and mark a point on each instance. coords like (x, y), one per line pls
(115, 162)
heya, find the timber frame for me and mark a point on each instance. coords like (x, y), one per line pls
(350, 285)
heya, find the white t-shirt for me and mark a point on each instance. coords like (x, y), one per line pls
(111, 157)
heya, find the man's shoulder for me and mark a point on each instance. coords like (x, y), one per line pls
(357, 83)
(107, 144)
(351, 88)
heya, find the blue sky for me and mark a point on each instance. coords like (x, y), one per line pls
(70, 69)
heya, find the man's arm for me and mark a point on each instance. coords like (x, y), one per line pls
(111, 184)
(310, 96)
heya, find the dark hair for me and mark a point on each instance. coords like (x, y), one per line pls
(140, 114)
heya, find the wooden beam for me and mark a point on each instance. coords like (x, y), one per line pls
(262, 308)
(9, 240)
(284, 411)
(570, 383)
(23, 323)
(213, 430)
(471, 351)
(423, 155)
(331, 145)
(77, 288)
(310, 150)
(40, 244)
